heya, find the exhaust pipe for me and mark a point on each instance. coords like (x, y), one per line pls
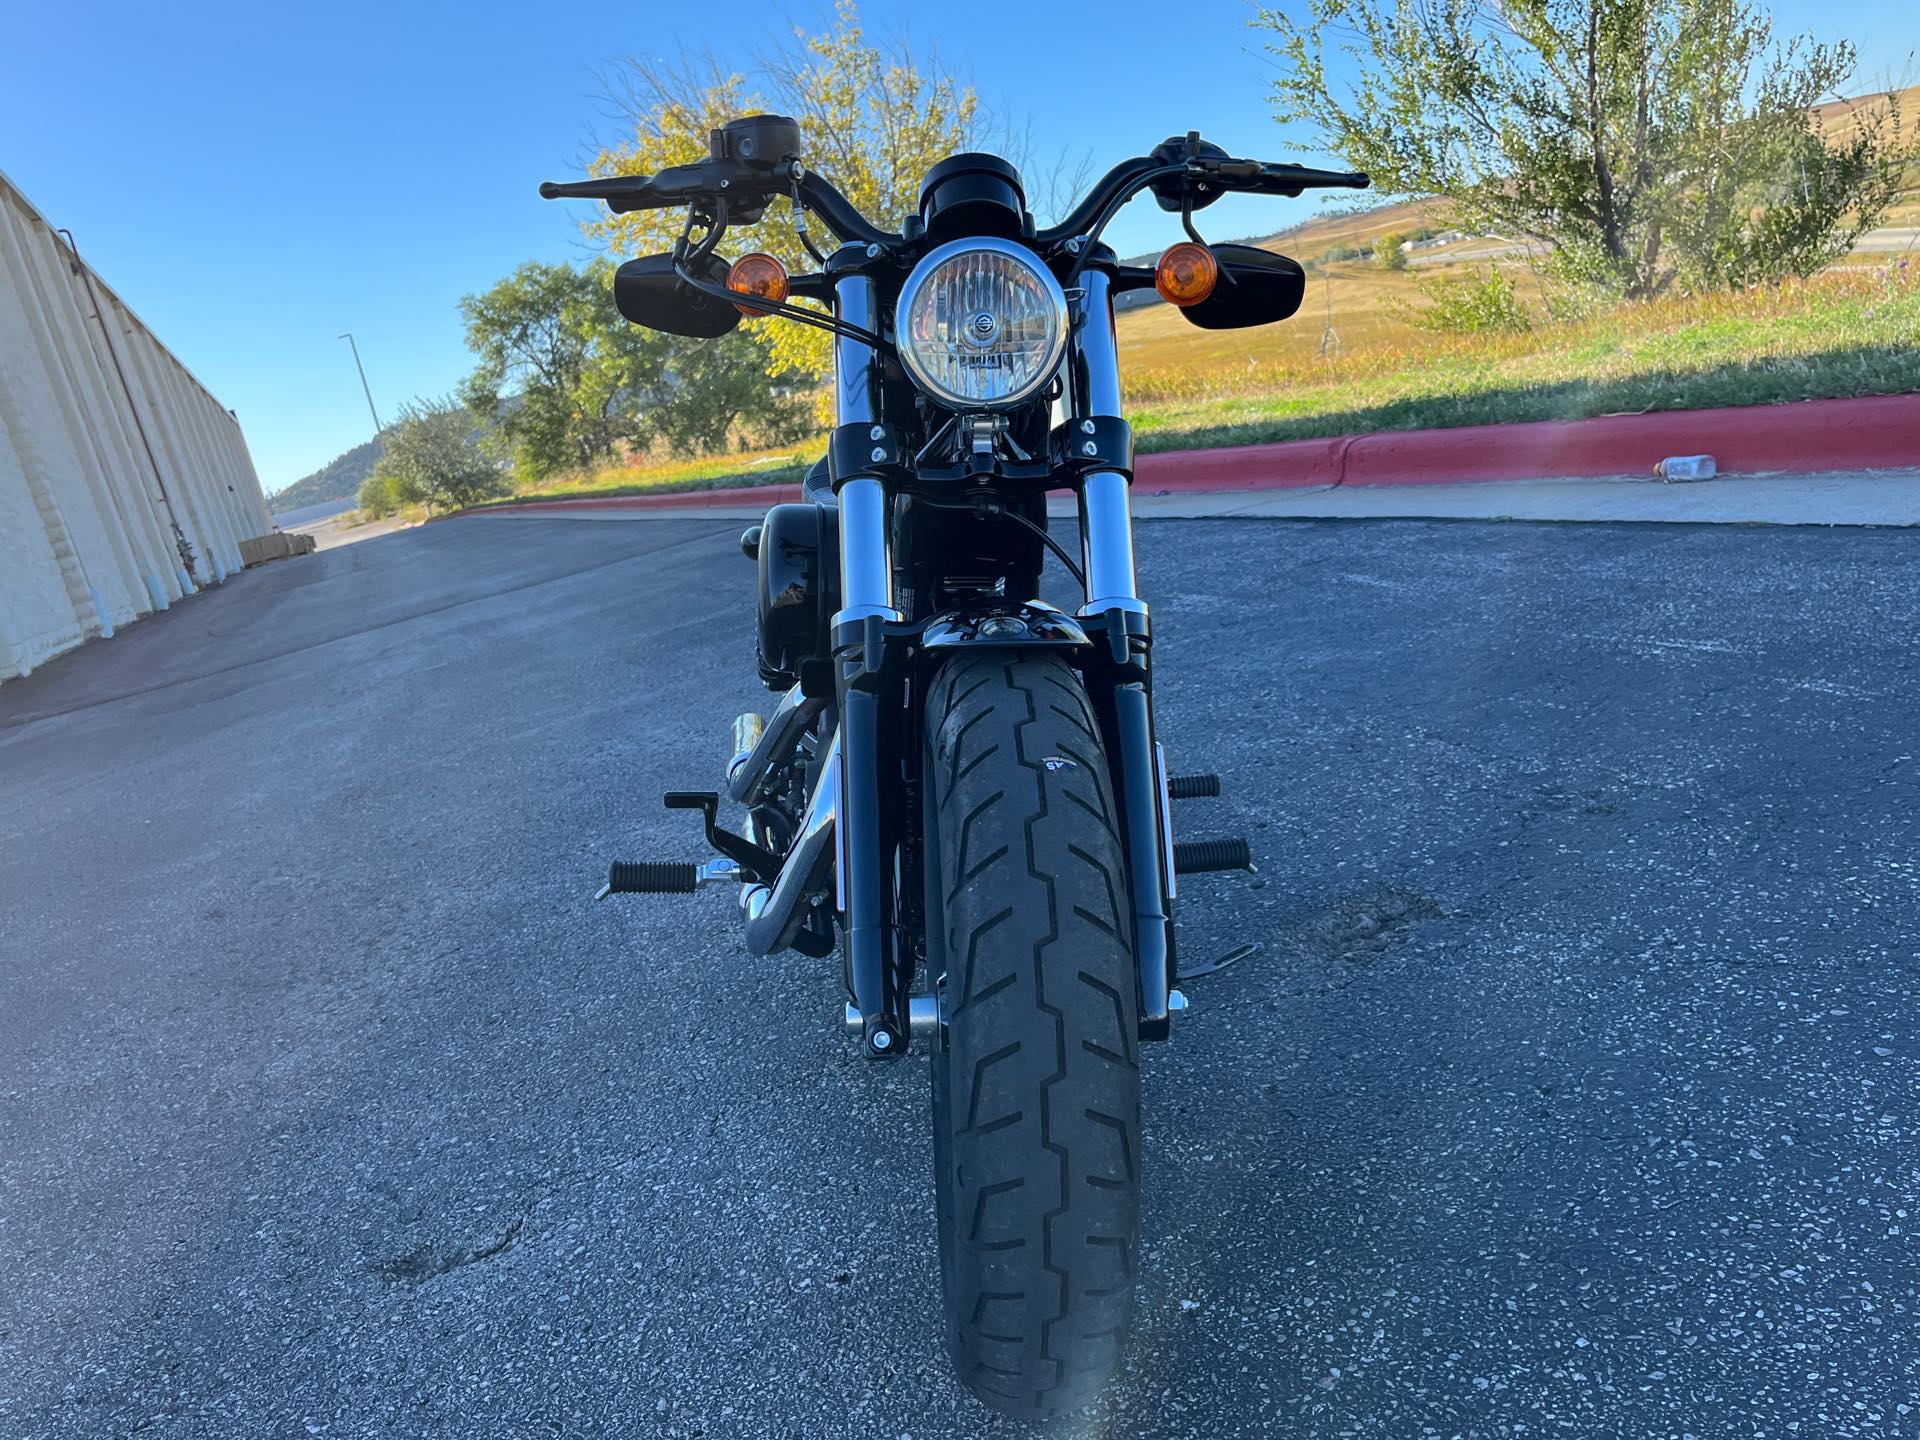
(756, 751)
(773, 912)
(747, 730)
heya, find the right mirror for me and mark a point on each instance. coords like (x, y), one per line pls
(1256, 287)
(650, 294)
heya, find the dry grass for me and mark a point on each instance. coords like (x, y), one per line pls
(1852, 331)
(1163, 356)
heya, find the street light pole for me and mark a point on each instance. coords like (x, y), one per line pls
(366, 388)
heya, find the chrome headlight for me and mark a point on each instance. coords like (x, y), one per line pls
(981, 324)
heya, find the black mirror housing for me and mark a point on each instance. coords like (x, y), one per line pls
(1257, 287)
(650, 294)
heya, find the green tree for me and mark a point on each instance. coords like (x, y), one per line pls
(875, 119)
(433, 456)
(1388, 251)
(1645, 142)
(568, 383)
(548, 337)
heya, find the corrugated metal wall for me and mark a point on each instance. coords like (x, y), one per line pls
(123, 484)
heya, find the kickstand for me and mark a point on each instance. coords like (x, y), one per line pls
(1232, 957)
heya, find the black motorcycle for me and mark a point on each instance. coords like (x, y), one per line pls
(960, 787)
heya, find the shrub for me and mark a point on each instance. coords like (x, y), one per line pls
(433, 455)
(1387, 251)
(377, 498)
(1480, 304)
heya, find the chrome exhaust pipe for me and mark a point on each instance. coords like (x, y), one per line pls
(754, 758)
(747, 730)
(773, 912)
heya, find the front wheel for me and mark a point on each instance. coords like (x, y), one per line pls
(1036, 1083)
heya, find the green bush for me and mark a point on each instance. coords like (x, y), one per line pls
(377, 499)
(1482, 304)
(433, 454)
(1387, 253)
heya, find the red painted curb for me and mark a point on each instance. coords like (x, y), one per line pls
(1876, 432)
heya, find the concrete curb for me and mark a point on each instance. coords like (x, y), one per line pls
(1870, 433)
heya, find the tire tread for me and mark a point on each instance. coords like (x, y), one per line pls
(1039, 1157)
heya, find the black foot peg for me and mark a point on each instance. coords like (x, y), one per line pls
(1195, 857)
(665, 877)
(1193, 787)
(651, 877)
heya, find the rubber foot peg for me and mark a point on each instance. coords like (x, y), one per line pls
(1196, 857)
(1193, 787)
(651, 877)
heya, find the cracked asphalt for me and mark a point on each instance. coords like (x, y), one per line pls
(1570, 1093)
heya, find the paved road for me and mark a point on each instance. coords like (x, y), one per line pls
(1573, 1092)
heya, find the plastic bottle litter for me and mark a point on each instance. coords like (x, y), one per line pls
(1686, 467)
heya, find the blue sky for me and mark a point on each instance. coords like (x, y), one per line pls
(254, 179)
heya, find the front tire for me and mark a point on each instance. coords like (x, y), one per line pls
(1036, 1082)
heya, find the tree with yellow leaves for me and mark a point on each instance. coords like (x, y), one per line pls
(875, 119)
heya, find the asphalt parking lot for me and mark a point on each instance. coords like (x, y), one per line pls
(1571, 1093)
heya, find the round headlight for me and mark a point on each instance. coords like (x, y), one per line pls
(981, 324)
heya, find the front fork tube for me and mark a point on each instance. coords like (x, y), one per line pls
(1121, 676)
(865, 688)
(867, 842)
(1122, 692)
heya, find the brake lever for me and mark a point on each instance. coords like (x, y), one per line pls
(606, 187)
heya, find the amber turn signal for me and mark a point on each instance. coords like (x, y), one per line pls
(1186, 274)
(760, 275)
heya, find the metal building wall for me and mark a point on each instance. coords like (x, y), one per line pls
(111, 456)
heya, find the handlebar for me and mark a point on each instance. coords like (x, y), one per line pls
(713, 180)
(1249, 177)
(1199, 170)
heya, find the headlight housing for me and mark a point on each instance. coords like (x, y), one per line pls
(981, 324)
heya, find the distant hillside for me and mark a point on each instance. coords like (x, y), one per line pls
(337, 480)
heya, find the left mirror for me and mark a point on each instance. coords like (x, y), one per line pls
(649, 293)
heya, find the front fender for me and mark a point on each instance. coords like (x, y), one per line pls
(1026, 624)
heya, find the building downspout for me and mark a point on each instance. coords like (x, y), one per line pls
(180, 540)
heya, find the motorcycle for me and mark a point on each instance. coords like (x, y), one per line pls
(960, 787)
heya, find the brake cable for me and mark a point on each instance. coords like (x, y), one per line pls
(1225, 272)
(1112, 208)
(800, 219)
(683, 259)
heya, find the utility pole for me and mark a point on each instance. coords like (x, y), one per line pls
(366, 388)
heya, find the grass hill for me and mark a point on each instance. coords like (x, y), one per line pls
(338, 479)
